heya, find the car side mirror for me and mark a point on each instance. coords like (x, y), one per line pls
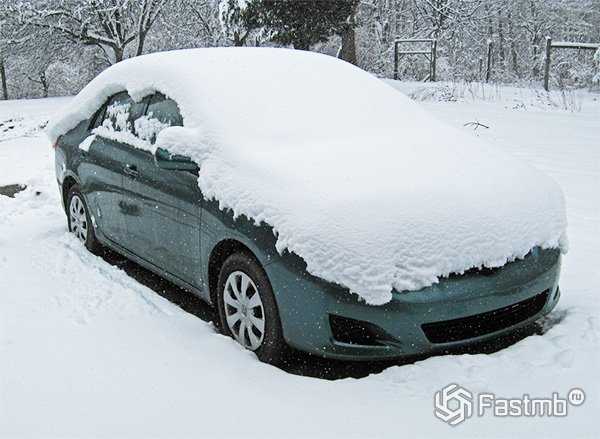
(175, 162)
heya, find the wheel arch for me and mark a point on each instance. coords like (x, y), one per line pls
(220, 252)
(67, 184)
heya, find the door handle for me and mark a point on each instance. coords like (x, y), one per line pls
(132, 171)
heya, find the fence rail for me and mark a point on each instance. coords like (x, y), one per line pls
(562, 45)
(429, 54)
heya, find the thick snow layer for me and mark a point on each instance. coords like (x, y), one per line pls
(88, 352)
(360, 181)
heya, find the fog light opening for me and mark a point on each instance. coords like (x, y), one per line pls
(356, 332)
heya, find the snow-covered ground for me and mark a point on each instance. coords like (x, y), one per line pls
(87, 351)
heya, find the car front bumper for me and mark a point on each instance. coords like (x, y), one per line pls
(457, 311)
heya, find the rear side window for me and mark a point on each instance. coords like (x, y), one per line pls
(121, 113)
(116, 116)
(162, 112)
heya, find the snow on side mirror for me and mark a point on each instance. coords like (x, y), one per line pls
(175, 149)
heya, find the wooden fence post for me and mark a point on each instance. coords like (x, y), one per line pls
(547, 63)
(488, 69)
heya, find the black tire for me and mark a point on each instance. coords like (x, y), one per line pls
(91, 243)
(273, 349)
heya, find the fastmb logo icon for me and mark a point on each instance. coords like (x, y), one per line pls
(453, 404)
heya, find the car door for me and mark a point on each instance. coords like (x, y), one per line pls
(164, 206)
(101, 173)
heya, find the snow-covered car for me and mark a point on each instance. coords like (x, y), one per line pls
(312, 204)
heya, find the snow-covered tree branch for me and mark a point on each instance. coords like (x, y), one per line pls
(111, 25)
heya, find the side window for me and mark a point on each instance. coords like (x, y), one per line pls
(120, 113)
(162, 112)
(116, 116)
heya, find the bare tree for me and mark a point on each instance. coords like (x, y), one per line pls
(47, 52)
(111, 25)
(186, 24)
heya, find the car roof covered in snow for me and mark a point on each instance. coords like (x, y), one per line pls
(251, 93)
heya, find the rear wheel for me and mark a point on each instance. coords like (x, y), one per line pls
(79, 220)
(247, 308)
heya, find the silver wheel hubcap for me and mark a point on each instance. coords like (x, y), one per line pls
(244, 310)
(78, 219)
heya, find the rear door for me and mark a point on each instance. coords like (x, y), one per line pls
(164, 205)
(102, 171)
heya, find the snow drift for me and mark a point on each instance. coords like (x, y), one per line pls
(358, 180)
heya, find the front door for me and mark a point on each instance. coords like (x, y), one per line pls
(162, 212)
(155, 213)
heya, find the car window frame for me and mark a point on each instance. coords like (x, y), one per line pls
(98, 116)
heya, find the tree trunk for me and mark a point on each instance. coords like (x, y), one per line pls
(141, 41)
(535, 68)
(501, 40)
(239, 40)
(535, 40)
(348, 33)
(348, 50)
(118, 52)
(3, 79)
(44, 83)
(513, 49)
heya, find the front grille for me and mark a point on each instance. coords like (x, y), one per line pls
(449, 331)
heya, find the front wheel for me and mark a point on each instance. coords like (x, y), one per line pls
(79, 220)
(247, 308)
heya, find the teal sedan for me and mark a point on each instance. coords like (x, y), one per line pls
(148, 207)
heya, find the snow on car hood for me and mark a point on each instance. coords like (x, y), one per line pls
(354, 177)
